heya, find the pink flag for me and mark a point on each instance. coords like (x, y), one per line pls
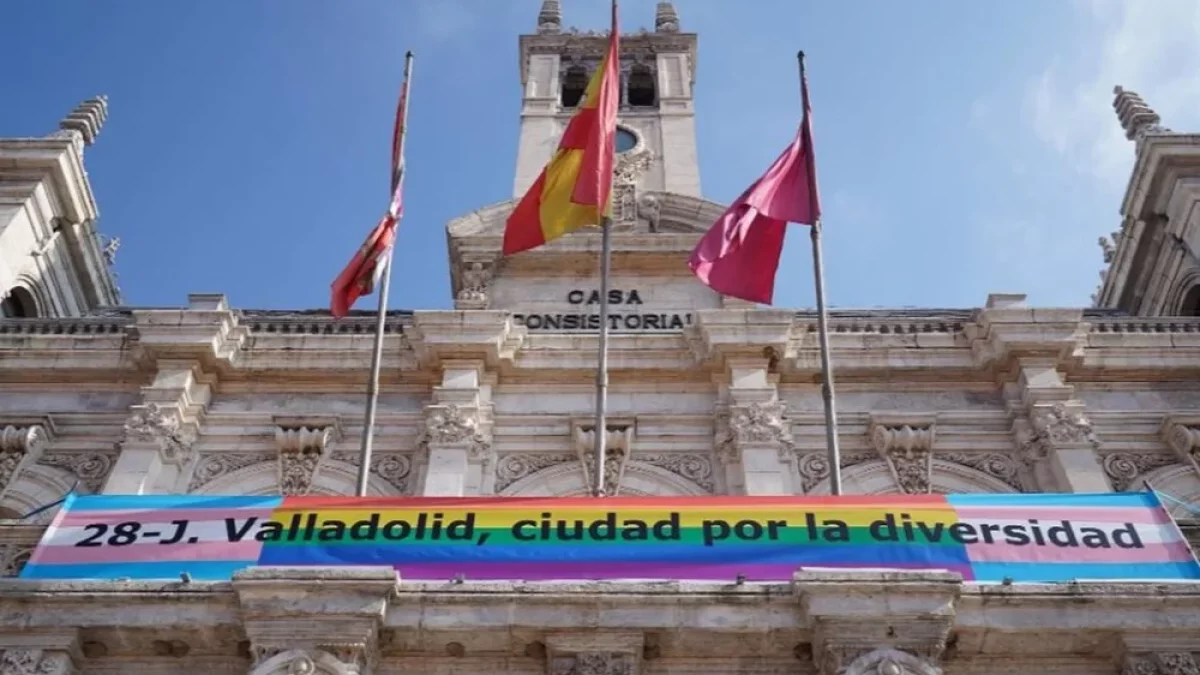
(739, 254)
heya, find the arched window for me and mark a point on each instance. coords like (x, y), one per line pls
(574, 85)
(19, 304)
(641, 91)
(1191, 302)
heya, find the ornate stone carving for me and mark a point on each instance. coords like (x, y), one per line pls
(273, 659)
(35, 662)
(1184, 439)
(475, 286)
(513, 467)
(618, 444)
(153, 423)
(594, 663)
(211, 466)
(1124, 468)
(1060, 424)
(91, 469)
(814, 466)
(300, 452)
(1137, 118)
(666, 20)
(14, 558)
(18, 447)
(908, 450)
(631, 165)
(393, 467)
(760, 422)
(690, 466)
(549, 18)
(997, 465)
(1160, 663)
(649, 209)
(451, 425)
(889, 661)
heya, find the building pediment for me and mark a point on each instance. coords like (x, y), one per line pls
(652, 237)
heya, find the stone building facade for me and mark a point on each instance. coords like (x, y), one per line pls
(494, 397)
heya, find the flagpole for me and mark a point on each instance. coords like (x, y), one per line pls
(600, 438)
(364, 467)
(827, 393)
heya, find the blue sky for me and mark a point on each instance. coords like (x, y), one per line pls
(963, 148)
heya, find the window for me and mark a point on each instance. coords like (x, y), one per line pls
(1191, 302)
(626, 140)
(640, 89)
(18, 305)
(574, 84)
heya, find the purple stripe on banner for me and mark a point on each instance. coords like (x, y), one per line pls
(208, 551)
(545, 571)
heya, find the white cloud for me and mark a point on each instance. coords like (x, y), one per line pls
(1148, 46)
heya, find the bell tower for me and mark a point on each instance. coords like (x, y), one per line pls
(52, 260)
(656, 136)
(1154, 258)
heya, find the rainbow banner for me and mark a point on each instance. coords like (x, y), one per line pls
(986, 538)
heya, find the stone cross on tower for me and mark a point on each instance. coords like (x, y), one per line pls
(1137, 118)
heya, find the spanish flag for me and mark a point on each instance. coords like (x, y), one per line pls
(573, 190)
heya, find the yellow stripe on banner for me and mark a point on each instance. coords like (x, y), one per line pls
(504, 518)
(558, 214)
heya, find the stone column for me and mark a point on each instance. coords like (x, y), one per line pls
(878, 623)
(457, 438)
(52, 652)
(756, 445)
(594, 653)
(314, 620)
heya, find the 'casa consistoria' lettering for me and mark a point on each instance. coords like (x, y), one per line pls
(617, 321)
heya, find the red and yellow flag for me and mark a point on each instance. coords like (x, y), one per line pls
(573, 190)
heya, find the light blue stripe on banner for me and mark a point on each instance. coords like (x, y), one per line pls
(156, 502)
(1050, 501)
(144, 571)
(1062, 572)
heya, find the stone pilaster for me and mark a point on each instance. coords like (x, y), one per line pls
(21, 444)
(456, 443)
(755, 443)
(1032, 349)
(594, 653)
(905, 442)
(878, 623)
(302, 620)
(49, 652)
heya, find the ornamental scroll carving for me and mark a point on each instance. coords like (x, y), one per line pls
(214, 465)
(475, 285)
(1125, 468)
(19, 446)
(91, 469)
(997, 465)
(759, 422)
(814, 466)
(301, 450)
(908, 451)
(1053, 426)
(35, 662)
(281, 660)
(393, 467)
(887, 661)
(161, 425)
(690, 466)
(516, 466)
(594, 663)
(457, 426)
(1161, 663)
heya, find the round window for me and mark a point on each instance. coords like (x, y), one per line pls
(626, 140)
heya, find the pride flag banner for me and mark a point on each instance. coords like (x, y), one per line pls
(986, 538)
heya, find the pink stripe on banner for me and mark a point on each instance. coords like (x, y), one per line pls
(1100, 514)
(1176, 551)
(208, 551)
(80, 518)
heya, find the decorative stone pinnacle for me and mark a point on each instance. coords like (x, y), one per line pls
(550, 17)
(666, 19)
(87, 118)
(1136, 117)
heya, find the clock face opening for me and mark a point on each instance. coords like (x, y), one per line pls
(626, 140)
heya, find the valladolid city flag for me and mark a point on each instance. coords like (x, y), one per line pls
(573, 189)
(739, 255)
(362, 274)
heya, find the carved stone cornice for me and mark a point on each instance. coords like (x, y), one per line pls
(618, 446)
(906, 444)
(733, 333)
(207, 331)
(162, 426)
(487, 334)
(21, 444)
(52, 652)
(1006, 329)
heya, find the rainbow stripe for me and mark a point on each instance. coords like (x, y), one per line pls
(986, 538)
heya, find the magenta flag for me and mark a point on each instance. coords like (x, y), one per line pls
(739, 255)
